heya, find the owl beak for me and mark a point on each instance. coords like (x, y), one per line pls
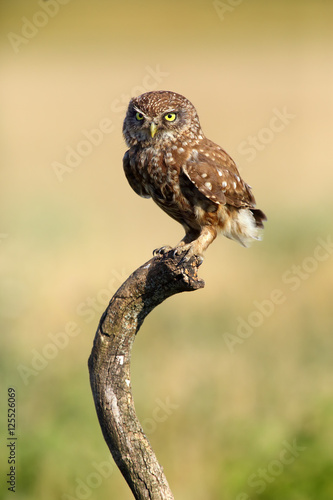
(153, 129)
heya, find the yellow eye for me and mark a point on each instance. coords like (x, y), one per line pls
(139, 116)
(170, 117)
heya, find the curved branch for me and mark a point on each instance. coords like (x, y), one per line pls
(109, 368)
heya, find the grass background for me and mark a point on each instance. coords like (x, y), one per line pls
(66, 245)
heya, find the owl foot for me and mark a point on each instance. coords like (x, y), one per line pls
(187, 252)
(159, 252)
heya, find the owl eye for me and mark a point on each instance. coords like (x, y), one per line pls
(170, 117)
(139, 116)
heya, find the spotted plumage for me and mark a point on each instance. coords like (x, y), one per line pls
(190, 177)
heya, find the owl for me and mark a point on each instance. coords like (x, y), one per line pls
(188, 176)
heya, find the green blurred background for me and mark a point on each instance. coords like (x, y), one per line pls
(229, 417)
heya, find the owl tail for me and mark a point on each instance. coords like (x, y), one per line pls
(245, 226)
(259, 217)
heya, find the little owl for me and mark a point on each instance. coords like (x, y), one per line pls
(188, 176)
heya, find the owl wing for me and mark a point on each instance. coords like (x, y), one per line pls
(216, 176)
(132, 176)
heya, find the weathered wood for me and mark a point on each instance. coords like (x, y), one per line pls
(109, 368)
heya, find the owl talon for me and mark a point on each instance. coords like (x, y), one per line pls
(159, 252)
(185, 250)
(187, 253)
(179, 251)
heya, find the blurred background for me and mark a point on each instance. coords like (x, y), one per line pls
(232, 383)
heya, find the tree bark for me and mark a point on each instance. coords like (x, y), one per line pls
(109, 368)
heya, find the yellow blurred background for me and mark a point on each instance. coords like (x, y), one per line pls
(232, 383)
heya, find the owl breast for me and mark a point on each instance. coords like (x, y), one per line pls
(160, 172)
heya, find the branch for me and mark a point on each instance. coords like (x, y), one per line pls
(109, 368)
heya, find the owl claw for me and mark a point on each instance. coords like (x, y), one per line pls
(159, 252)
(179, 251)
(187, 253)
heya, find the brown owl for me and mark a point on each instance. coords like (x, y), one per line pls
(190, 177)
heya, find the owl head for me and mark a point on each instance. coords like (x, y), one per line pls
(159, 116)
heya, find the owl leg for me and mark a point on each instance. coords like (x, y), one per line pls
(191, 235)
(195, 242)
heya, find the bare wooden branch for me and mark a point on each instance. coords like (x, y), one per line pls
(109, 368)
